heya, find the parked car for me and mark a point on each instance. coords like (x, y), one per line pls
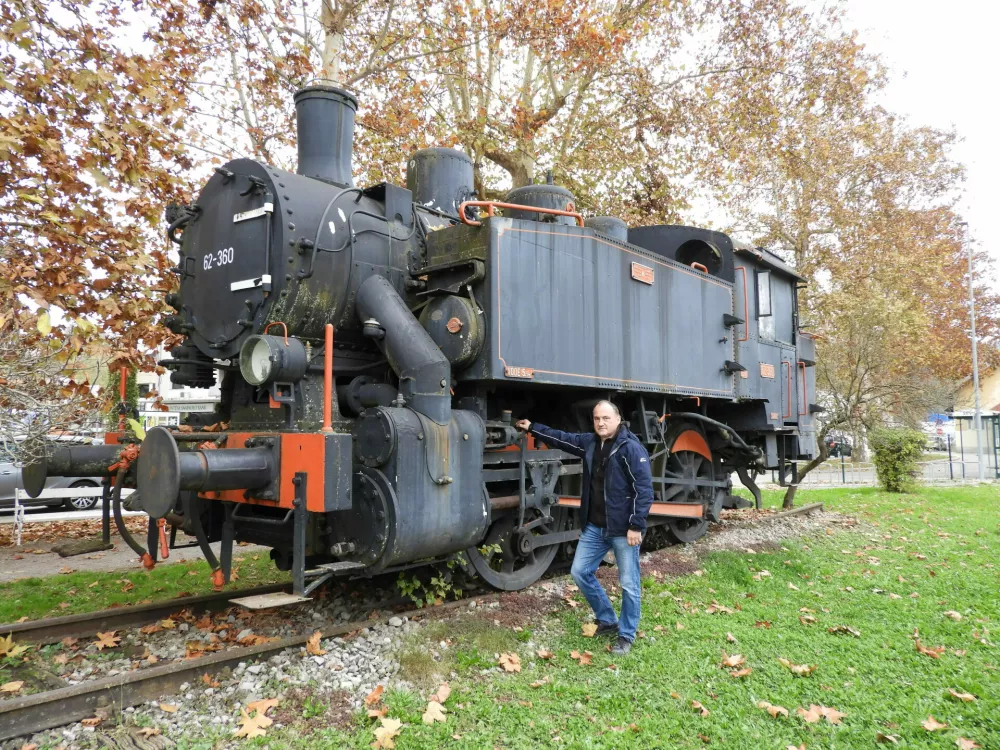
(838, 446)
(10, 479)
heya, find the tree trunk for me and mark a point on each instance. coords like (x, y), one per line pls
(824, 454)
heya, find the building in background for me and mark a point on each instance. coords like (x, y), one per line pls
(180, 399)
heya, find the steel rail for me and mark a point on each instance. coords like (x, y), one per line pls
(55, 708)
(52, 629)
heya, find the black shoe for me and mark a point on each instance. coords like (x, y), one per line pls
(622, 647)
(607, 628)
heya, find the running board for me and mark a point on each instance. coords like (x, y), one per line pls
(667, 510)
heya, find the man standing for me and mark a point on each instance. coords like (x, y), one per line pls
(617, 493)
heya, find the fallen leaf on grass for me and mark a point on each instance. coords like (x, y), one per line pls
(933, 651)
(312, 645)
(657, 628)
(170, 708)
(736, 660)
(793, 587)
(965, 744)
(844, 630)
(252, 726)
(745, 672)
(510, 662)
(107, 640)
(11, 687)
(730, 637)
(385, 733)
(375, 695)
(932, 724)
(539, 683)
(435, 712)
(832, 715)
(807, 620)
(588, 629)
(443, 691)
(762, 624)
(148, 731)
(889, 739)
(544, 653)
(8, 649)
(679, 626)
(583, 659)
(772, 709)
(964, 697)
(700, 708)
(377, 713)
(800, 670)
(811, 716)
(953, 615)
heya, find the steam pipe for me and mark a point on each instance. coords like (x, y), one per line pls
(423, 370)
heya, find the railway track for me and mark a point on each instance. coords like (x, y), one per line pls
(63, 705)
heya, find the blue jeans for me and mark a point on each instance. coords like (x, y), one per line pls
(593, 544)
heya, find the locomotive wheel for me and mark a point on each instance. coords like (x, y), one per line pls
(505, 559)
(690, 465)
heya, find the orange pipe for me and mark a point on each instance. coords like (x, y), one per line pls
(328, 380)
(122, 382)
(788, 379)
(746, 305)
(491, 206)
(699, 267)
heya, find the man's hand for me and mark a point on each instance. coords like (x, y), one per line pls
(523, 425)
(634, 538)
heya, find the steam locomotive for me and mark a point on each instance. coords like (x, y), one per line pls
(375, 344)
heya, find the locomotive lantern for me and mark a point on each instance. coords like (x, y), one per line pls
(373, 345)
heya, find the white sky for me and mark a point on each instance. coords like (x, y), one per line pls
(945, 73)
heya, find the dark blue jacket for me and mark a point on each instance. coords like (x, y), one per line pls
(628, 482)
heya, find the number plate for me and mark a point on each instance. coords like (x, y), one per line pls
(766, 371)
(519, 372)
(642, 273)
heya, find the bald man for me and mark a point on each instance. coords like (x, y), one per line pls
(617, 494)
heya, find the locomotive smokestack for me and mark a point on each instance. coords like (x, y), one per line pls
(325, 118)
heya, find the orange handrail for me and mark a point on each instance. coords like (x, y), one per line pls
(278, 323)
(788, 380)
(805, 390)
(746, 305)
(699, 267)
(491, 207)
(328, 380)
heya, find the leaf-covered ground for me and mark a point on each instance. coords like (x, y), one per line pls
(919, 566)
(75, 592)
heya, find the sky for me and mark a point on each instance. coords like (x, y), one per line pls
(944, 73)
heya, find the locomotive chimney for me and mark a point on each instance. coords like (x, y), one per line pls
(325, 117)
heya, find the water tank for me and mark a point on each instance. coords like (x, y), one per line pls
(541, 196)
(611, 226)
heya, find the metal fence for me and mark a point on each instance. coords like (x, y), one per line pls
(841, 471)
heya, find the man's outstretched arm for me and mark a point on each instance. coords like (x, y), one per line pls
(571, 442)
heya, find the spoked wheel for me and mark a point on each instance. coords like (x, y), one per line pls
(683, 467)
(507, 559)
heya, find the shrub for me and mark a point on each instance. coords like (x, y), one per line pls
(895, 453)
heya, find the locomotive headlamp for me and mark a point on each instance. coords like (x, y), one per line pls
(269, 359)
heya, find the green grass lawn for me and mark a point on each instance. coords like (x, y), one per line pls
(913, 559)
(79, 592)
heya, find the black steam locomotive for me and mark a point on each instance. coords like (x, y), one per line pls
(376, 345)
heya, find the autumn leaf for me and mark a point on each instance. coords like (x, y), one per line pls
(544, 653)
(583, 659)
(92, 721)
(539, 683)
(964, 744)
(168, 624)
(8, 649)
(888, 739)
(435, 712)
(377, 713)
(799, 670)
(263, 706)
(845, 630)
(312, 645)
(811, 716)
(11, 687)
(252, 726)
(953, 615)
(510, 662)
(933, 651)
(44, 323)
(964, 697)
(700, 708)
(107, 640)
(208, 680)
(443, 691)
(730, 637)
(772, 709)
(148, 731)
(832, 715)
(170, 708)
(745, 672)
(588, 629)
(807, 620)
(385, 732)
(736, 660)
(932, 725)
